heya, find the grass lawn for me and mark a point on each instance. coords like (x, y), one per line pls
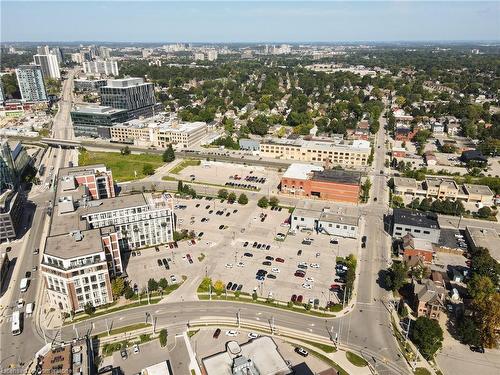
(123, 166)
(129, 328)
(328, 361)
(355, 359)
(183, 164)
(422, 371)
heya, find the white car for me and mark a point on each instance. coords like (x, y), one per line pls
(275, 270)
(302, 263)
(309, 280)
(314, 265)
(136, 349)
(229, 265)
(232, 333)
(307, 286)
(173, 278)
(253, 335)
(20, 303)
(240, 264)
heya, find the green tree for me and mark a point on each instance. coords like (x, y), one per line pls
(163, 283)
(128, 292)
(231, 197)
(468, 331)
(242, 199)
(427, 335)
(168, 155)
(89, 308)
(484, 212)
(180, 187)
(263, 202)
(117, 286)
(163, 337)
(396, 276)
(148, 170)
(219, 287)
(125, 150)
(222, 193)
(274, 202)
(152, 285)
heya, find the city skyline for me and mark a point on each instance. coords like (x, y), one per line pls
(250, 21)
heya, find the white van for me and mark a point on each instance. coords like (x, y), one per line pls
(29, 308)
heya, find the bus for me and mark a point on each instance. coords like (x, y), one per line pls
(16, 323)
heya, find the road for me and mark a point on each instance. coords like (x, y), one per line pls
(18, 351)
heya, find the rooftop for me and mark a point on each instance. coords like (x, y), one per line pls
(97, 109)
(478, 189)
(262, 352)
(111, 204)
(415, 218)
(320, 144)
(440, 182)
(125, 82)
(338, 176)
(405, 182)
(487, 238)
(300, 171)
(76, 244)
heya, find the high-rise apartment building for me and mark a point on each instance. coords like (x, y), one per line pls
(132, 94)
(96, 121)
(42, 50)
(104, 52)
(10, 214)
(212, 55)
(107, 67)
(30, 82)
(58, 52)
(49, 65)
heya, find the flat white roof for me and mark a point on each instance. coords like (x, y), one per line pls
(300, 171)
(158, 369)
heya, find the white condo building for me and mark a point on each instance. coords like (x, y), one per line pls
(49, 65)
(107, 67)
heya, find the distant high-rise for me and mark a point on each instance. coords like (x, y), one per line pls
(212, 55)
(104, 52)
(132, 94)
(49, 64)
(77, 58)
(199, 56)
(31, 85)
(58, 52)
(42, 50)
(2, 95)
(109, 67)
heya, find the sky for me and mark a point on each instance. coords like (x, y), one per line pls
(249, 21)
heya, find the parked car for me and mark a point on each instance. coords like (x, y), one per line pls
(231, 333)
(250, 255)
(294, 298)
(477, 349)
(301, 351)
(266, 263)
(299, 252)
(271, 276)
(124, 354)
(252, 335)
(136, 349)
(280, 260)
(216, 333)
(229, 285)
(269, 257)
(300, 298)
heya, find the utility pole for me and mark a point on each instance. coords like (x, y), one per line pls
(147, 317)
(239, 319)
(210, 292)
(154, 324)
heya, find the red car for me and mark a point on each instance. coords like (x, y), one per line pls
(299, 274)
(335, 287)
(294, 298)
(280, 260)
(299, 298)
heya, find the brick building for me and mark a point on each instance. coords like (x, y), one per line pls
(314, 181)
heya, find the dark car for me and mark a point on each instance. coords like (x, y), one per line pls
(299, 252)
(363, 239)
(255, 244)
(302, 266)
(221, 226)
(197, 205)
(175, 245)
(229, 285)
(299, 298)
(375, 199)
(266, 263)
(210, 211)
(248, 255)
(268, 247)
(294, 298)
(363, 245)
(200, 234)
(261, 272)
(239, 287)
(245, 244)
(207, 207)
(124, 354)
(159, 262)
(299, 274)
(259, 246)
(164, 261)
(280, 260)
(269, 257)
(8, 249)
(271, 276)
(216, 333)
(235, 210)
(233, 288)
(477, 349)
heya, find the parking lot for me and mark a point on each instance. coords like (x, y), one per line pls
(236, 242)
(254, 177)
